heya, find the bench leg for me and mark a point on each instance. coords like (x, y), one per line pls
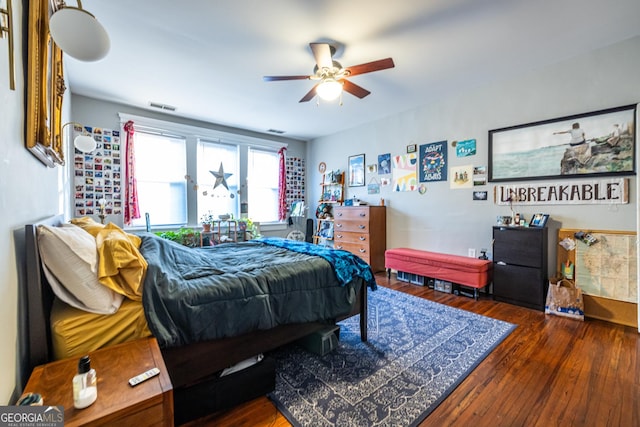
(475, 293)
(388, 273)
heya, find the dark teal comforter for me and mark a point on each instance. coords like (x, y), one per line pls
(192, 295)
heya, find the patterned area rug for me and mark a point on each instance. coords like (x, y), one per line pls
(417, 353)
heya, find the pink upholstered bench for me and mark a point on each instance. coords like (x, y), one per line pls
(467, 271)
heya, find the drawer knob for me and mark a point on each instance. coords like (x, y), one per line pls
(362, 214)
(338, 247)
(339, 213)
(362, 227)
(338, 225)
(339, 236)
(362, 238)
(363, 251)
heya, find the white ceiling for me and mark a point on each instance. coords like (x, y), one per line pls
(207, 57)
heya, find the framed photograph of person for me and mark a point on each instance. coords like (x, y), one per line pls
(539, 220)
(598, 143)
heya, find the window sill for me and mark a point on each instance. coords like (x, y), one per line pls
(272, 226)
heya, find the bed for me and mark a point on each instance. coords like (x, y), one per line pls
(194, 357)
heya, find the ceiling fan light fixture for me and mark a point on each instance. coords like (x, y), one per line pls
(329, 89)
(78, 33)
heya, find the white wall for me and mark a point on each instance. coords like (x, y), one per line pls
(28, 191)
(450, 221)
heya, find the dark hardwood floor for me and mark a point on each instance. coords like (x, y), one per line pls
(550, 371)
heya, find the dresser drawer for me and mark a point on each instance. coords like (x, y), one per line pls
(350, 226)
(351, 213)
(351, 237)
(362, 250)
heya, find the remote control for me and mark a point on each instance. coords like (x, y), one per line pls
(143, 377)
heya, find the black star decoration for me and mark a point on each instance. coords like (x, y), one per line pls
(221, 177)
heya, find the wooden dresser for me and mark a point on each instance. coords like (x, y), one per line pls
(362, 230)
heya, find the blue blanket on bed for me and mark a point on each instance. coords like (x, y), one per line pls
(346, 265)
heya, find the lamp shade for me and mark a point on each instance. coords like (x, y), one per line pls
(329, 89)
(79, 34)
(84, 143)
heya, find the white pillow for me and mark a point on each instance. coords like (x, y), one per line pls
(70, 258)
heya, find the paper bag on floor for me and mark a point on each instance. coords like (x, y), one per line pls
(564, 299)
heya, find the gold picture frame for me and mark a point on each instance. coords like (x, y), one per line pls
(45, 87)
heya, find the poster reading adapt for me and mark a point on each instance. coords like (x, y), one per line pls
(433, 162)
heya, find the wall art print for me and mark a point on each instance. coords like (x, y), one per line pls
(384, 164)
(404, 172)
(433, 161)
(465, 148)
(98, 175)
(479, 175)
(461, 177)
(598, 143)
(356, 170)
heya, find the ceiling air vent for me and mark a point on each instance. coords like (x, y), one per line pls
(164, 107)
(279, 132)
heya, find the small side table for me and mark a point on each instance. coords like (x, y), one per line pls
(222, 230)
(148, 404)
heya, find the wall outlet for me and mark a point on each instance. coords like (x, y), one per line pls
(472, 252)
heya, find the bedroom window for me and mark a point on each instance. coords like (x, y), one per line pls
(174, 165)
(262, 183)
(161, 166)
(222, 159)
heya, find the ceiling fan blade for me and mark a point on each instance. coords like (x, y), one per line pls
(381, 64)
(309, 96)
(354, 89)
(322, 54)
(278, 78)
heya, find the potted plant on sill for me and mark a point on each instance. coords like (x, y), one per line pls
(185, 236)
(246, 225)
(206, 220)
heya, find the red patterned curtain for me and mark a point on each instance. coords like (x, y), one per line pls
(282, 186)
(131, 208)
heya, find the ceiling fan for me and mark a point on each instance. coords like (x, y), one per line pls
(332, 75)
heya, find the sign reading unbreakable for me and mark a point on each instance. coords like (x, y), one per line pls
(596, 191)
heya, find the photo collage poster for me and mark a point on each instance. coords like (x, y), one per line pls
(295, 180)
(98, 175)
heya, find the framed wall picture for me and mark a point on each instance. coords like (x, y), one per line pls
(539, 220)
(356, 170)
(45, 88)
(598, 143)
(325, 229)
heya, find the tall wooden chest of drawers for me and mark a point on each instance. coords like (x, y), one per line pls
(362, 230)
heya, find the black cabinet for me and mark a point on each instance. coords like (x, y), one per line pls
(520, 266)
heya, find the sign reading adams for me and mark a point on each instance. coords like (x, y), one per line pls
(597, 191)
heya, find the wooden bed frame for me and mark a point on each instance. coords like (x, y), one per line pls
(189, 365)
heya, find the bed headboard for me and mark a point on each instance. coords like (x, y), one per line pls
(39, 298)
